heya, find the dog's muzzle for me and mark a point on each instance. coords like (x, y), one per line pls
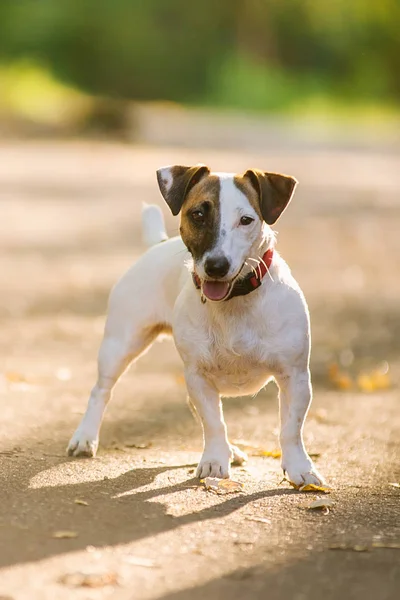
(224, 290)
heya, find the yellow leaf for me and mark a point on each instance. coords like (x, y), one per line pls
(395, 485)
(269, 453)
(365, 383)
(81, 502)
(14, 377)
(340, 379)
(309, 487)
(254, 450)
(343, 382)
(380, 381)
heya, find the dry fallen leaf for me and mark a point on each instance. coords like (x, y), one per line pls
(341, 380)
(17, 382)
(139, 446)
(222, 486)
(64, 535)
(359, 548)
(377, 379)
(356, 548)
(254, 450)
(268, 453)
(12, 452)
(309, 487)
(90, 580)
(321, 504)
(259, 520)
(388, 545)
(395, 484)
(367, 381)
(81, 502)
(14, 377)
(115, 445)
(138, 561)
(381, 381)
(320, 415)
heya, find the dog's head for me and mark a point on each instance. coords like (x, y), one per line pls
(225, 218)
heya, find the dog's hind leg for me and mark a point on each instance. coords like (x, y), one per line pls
(115, 356)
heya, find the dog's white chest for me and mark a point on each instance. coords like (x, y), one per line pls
(234, 375)
(238, 360)
(233, 354)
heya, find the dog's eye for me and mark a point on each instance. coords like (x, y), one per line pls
(198, 216)
(246, 220)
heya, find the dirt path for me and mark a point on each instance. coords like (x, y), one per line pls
(69, 226)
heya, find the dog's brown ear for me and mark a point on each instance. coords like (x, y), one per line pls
(274, 191)
(176, 182)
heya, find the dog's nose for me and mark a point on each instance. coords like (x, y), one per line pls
(216, 266)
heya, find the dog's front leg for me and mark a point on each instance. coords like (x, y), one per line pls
(295, 398)
(215, 461)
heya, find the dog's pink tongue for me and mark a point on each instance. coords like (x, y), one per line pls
(215, 290)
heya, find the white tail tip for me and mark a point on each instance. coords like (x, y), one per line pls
(153, 225)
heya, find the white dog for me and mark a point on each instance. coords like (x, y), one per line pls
(237, 316)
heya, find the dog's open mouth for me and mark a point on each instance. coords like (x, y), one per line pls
(216, 290)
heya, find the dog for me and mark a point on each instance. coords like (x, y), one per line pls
(237, 315)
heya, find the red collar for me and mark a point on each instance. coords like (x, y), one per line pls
(250, 282)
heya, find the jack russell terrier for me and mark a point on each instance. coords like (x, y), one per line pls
(238, 317)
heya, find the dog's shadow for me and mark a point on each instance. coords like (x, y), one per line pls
(117, 512)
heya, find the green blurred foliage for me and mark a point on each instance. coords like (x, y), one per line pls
(260, 54)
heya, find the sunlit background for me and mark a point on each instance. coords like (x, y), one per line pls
(75, 67)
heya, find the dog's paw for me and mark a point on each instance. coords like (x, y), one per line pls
(83, 444)
(238, 456)
(212, 468)
(215, 463)
(300, 470)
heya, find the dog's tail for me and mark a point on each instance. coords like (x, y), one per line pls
(153, 225)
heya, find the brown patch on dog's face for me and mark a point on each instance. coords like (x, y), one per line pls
(175, 183)
(200, 220)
